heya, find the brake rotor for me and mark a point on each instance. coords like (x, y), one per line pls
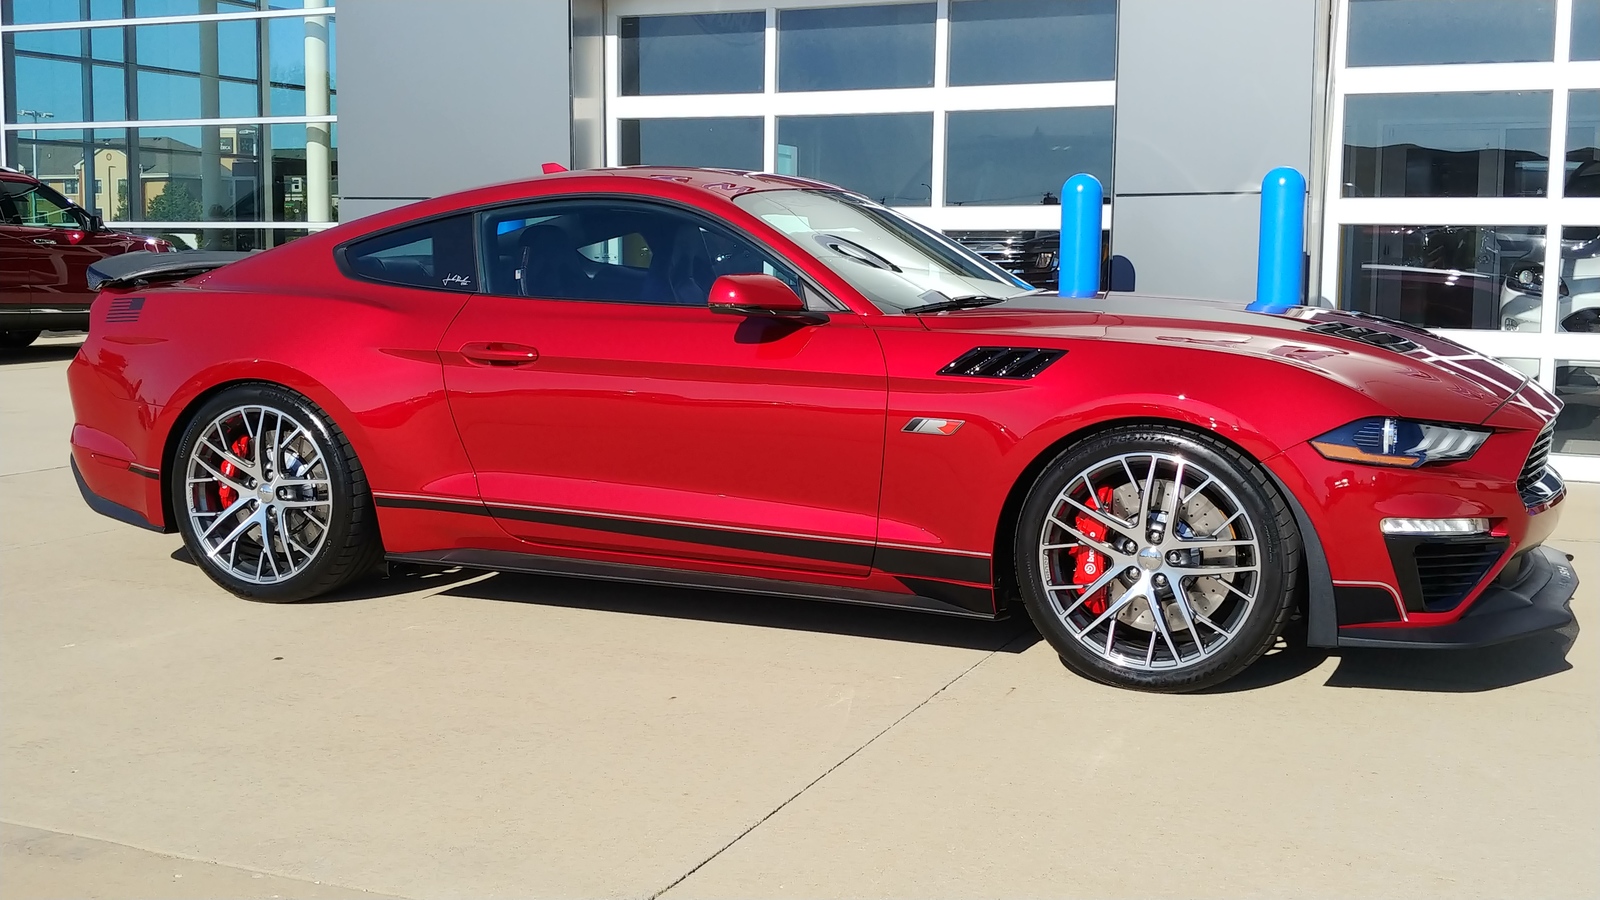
(1199, 517)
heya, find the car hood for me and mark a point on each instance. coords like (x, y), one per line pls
(1411, 371)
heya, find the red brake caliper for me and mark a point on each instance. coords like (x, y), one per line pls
(241, 449)
(1090, 564)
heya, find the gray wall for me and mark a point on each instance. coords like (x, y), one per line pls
(436, 97)
(1210, 96)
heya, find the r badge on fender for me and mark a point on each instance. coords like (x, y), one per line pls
(934, 426)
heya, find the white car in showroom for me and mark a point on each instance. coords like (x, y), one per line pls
(1578, 290)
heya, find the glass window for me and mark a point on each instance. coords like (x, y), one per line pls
(294, 194)
(1018, 157)
(60, 159)
(614, 251)
(886, 157)
(286, 65)
(1586, 29)
(1444, 276)
(1578, 291)
(852, 47)
(716, 143)
(1447, 145)
(1583, 144)
(436, 255)
(40, 206)
(718, 53)
(49, 88)
(1428, 32)
(893, 261)
(1031, 41)
(1578, 425)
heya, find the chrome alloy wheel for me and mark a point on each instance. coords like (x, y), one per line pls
(259, 499)
(1150, 561)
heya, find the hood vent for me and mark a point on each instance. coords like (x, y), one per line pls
(1385, 339)
(1002, 362)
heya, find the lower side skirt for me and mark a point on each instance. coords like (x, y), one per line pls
(532, 564)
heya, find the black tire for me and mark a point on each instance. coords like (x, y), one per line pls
(350, 546)
(1279, 557)
(16, 340)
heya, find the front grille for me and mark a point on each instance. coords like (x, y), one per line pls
(1377, 338)
(1003, 248)
(1002, 362)
(1533, 469)
(1447, 572)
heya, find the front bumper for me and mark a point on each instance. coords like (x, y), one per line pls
(1537, 598)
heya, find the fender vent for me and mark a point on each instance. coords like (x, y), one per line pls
(1002, 362)
(1386, 339)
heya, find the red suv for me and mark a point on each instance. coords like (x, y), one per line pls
(47, 244)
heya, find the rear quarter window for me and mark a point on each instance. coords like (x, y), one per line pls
(437, 255)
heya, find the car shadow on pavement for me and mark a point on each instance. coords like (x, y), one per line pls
(1012, 635)
(1438, 671)
(37, 353)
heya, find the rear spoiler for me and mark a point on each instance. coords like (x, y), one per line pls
(144, 267)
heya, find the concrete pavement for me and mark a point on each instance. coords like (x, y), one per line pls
(471, 735)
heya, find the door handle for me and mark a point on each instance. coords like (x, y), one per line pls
(44, 240)
(499, 353)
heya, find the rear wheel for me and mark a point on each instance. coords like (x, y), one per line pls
(1157, 559)
(15, 340)
(270, 497)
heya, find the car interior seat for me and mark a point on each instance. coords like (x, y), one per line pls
(547, 263)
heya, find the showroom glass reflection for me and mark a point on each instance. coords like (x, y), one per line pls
(1014, 157)
(178, 71)
(1463, 144)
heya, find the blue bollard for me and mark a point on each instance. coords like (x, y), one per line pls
(1280, 260)
(1081, 197)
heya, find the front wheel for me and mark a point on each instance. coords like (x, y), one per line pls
(270, 497)
(1157, 559)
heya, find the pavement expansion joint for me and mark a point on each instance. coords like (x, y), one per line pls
(847, 757)
(203, 860)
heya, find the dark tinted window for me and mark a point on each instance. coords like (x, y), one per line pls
(888, 157)
(1586, 29)
(1447, 145)
(719, 53)
(1030, 41)
(1018, 157)
(714, 143)
(854, 47)
(1428, 32)
(436, 254)
(616, 251)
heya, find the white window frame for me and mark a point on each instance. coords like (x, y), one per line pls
(1552, 212)
(770, 104)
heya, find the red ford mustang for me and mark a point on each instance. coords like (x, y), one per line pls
(761, 384)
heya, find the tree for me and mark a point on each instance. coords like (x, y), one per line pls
(175, 204)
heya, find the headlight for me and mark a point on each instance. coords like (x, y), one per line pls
(1400, 442)
(1528, 278)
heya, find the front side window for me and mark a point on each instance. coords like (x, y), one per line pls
(614, 250)
(436, 255)
(894, 262)
(40, 207)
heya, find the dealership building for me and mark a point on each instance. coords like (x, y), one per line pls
(1451, 147)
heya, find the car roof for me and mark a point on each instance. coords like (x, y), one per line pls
(723, 183)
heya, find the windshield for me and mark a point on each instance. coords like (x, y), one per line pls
(896, 263)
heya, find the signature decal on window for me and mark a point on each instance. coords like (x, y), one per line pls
(463, 280)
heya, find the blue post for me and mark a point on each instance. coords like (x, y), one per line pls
(1081, 197)
(1280, 261)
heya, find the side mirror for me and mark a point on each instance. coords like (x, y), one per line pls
(96, 223)
(757, 295)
